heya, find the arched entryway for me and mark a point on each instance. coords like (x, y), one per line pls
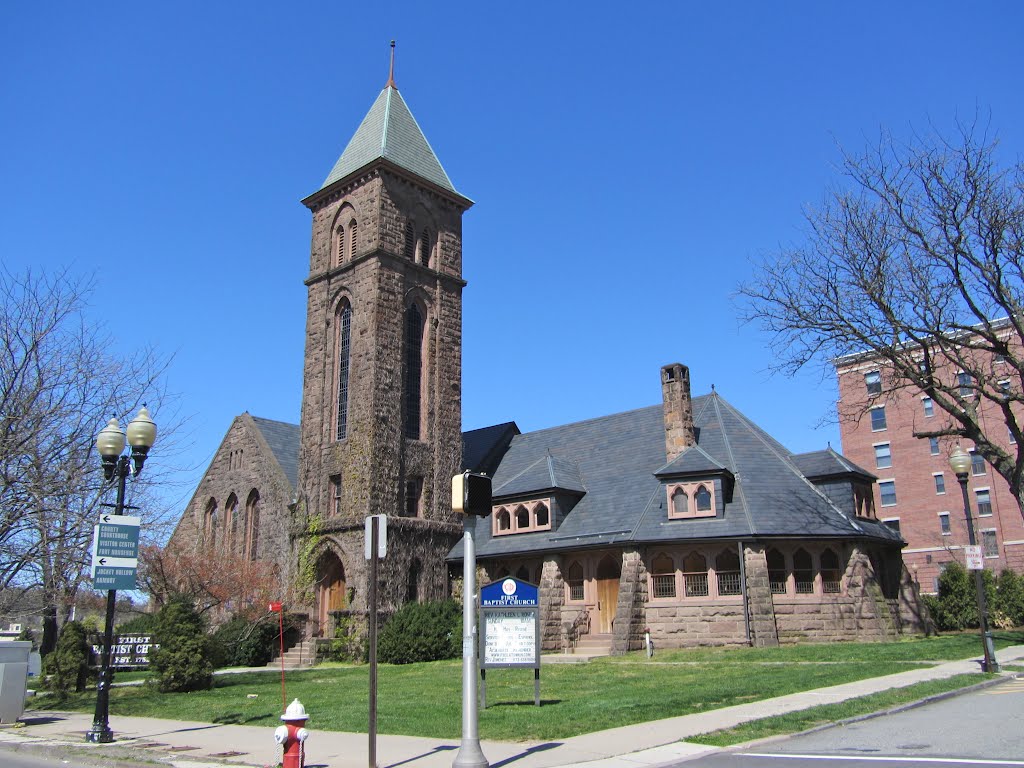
(608, 572)
(330, 584)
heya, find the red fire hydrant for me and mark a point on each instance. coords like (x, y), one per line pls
(292, 735)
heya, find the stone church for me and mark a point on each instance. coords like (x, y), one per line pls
(684, 518)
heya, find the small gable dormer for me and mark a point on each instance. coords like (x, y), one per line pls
(696, 485)
(847, 485)
(538, 498)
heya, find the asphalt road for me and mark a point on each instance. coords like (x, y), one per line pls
(984, 727)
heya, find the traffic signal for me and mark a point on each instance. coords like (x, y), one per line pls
(471, 494)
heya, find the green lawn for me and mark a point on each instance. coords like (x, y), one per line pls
(425, 699)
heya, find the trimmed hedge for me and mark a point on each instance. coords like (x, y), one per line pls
(422, 632)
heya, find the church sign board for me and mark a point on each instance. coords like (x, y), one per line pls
(127, 651)
(509, 629)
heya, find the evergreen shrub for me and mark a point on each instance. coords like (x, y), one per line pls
(143, 624)
(1009, 598)
(244, 642)
(422, 632)
(67, 668)
(183, 660)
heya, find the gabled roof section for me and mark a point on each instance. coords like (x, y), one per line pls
(483, 448)
(548, 473)
(390, 132)
(828, 463)
(693, 461)
(283, 439)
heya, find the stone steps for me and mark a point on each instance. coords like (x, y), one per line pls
(298, 656)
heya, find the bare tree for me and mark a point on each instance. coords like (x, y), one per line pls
(59, 383)
(914, 261)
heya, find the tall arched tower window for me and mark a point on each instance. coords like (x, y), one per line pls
(252, 524)
(409, 245)
(423, 248)
(343, 344)
(339, 247)
(230, 510)
(413, 370)
(353, 229)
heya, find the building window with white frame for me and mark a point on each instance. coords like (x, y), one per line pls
(929, 406)
(940, 483)
(873, 382)
(984, 500)
(878, 418)
(944, 523)
(933, 446)
(977, 464)
(892, 522)
(887, 492)
(883, 456)
(989, 543)
(965, 384)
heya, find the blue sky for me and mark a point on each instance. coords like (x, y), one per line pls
(627, 162)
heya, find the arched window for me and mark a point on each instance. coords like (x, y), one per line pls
(210, 522)
(522, 518)
(574, 580)
(831, 577)
(542, 518)
(663, 576)
(230, 508)
(803, 572)
(352, 239)
(412, 586)
(413, 370)
(343, 343)
(504, 520)
(727, 572)
(702, 498)
(339, 246)
(776, 571)
(409, 246)
(252, 524)
(695, 575)
(423, 247)
(680, 502)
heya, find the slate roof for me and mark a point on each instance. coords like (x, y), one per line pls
(481, 448)
(828, 463)
(390, 132)
(625, 502)
(547, 473)
(283, 439)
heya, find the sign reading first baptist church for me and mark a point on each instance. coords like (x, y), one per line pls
(115, 552)
(510, 618)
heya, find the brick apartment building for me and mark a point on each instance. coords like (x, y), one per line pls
(917, 493)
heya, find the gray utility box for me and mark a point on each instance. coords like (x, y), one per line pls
(13, 678)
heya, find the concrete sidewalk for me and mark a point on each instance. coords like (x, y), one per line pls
(190, 745)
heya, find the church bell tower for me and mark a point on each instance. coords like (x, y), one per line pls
(381, 415)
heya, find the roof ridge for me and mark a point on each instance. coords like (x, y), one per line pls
(718, 403)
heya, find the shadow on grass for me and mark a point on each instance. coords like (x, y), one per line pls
(525, 703)
(237, 718)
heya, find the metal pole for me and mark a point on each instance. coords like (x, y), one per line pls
(470, 754)
(990, 663)
(280, 627)
(374, 536)
(100, 732)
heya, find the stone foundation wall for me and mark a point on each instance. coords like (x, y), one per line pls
(685, 626)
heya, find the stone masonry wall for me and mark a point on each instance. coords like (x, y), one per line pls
(242, 463)
(375, 459)
(630, 617)
(760, 606)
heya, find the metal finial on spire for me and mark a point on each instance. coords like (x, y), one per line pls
(391, 72)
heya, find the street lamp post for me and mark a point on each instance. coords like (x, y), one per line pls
(960, 462)
(117, 466)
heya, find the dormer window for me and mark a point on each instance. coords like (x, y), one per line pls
(691, 500)
(522, 517)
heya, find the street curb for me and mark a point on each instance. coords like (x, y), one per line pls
(880, 713)
(104, 756)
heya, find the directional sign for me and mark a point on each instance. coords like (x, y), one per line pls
(115, 551)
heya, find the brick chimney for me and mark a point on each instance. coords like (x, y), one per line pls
(675, 392)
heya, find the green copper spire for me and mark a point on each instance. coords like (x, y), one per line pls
(390, 132)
